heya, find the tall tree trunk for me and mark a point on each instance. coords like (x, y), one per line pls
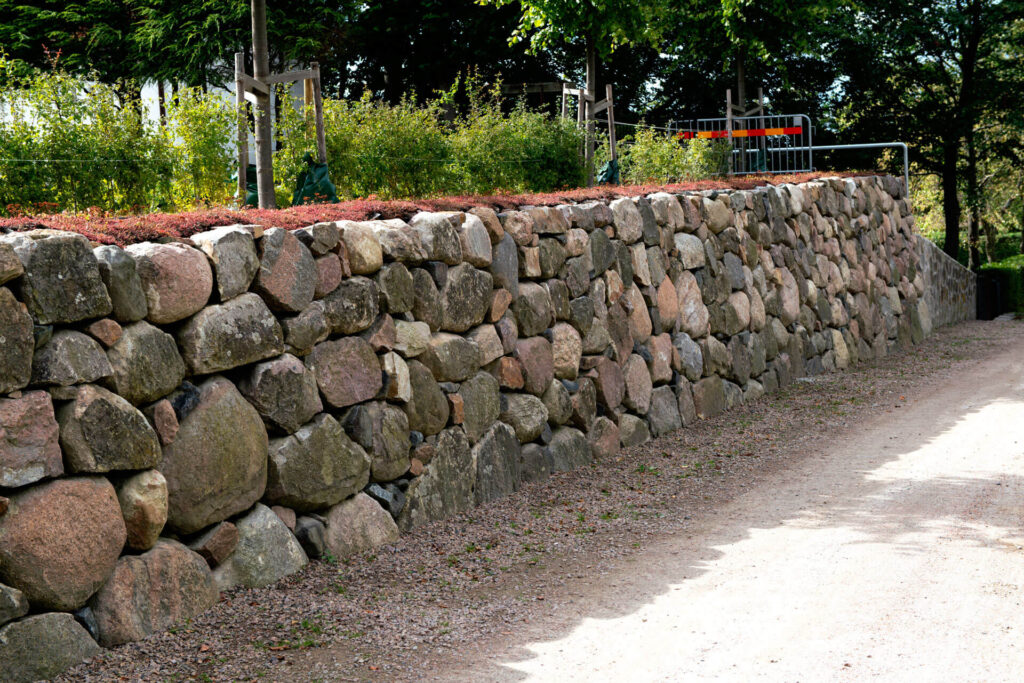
(973, 202)
(950, 198)
(161, 97)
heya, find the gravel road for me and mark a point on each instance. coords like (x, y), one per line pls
(868, 524)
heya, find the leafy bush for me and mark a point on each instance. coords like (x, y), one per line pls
(1009, 273)
(201, 134)
(74, 147)
(652, 156)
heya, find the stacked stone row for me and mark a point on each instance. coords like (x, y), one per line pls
(180, 418)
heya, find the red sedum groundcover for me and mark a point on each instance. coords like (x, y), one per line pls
(124, 230)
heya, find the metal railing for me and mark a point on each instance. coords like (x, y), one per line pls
(770, 144)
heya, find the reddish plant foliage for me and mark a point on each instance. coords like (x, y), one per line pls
(123, 230)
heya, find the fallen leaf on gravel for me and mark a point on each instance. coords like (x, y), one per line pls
(204, 648)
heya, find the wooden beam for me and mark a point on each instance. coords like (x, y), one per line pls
(611, 121)
(289, 76)
(243, 128)
(318, 112)
(511, 88)
(250, 84)
(601, 106)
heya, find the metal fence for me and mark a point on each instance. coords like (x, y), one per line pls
(760, 144)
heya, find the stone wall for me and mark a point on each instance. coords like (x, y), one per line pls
(181, 418)
(952, 291)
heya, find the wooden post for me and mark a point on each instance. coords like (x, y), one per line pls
(318, 110)
(243, 128)
(588, 106)
(611, 122)
(728, 124)
(264, 131)
(307, 95)
(565, 103)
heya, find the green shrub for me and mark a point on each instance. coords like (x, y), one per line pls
(651, 156)
(1009, 273)
(201, 133)
(69, 146)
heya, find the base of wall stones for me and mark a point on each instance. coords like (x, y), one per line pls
(188, 417)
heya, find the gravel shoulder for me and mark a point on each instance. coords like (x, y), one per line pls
(456, 598)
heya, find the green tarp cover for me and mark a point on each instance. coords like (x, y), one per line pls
(609, 173)
(314, 185)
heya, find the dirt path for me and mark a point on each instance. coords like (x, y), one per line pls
(897, 554)
(866, 524)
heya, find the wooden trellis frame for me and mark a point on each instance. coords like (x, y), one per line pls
(256, 89)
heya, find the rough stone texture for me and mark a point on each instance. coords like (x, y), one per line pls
(17, 341)
(526, 414)
(10, 264)
(303, 331)
(145, 364)
(151, 592)
(217, 465)
(69, 358)
(633, 431)
(465, 298)
(475, 240)
(143, 500)
(569, 449)
(329, 274)
(232, 251)
(59, 541)
(105, 331)
(446, 486)
(533, 309)
(488, 342)
(397, 386)
(358, 525)
(628, 222)
(482, 405)
(567, 350)
(61, 281)
(604, 438)
(364, 252)
(693, 313)
(352, 306)
(286, 278)
(12, 604)
(558, 401)
(266, 551)
(383, 430)
(952, 293)
(346, 370)
(637, 383)
(537, 361)
(709, 397)
(29, 449)
(224, 336)
(176, 279)
(411, 339)
(450, 357)
(505, 265)
(438, 236)
(216, 543)
(427, 408)
(691, 250)
(611, 387)
(316, 467)
(284, 392)
(663, 416)
(42, 646)
(117, 270)
(497, 457)
(395, 283)
(100, 432)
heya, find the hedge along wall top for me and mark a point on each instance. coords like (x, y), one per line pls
(182, 418)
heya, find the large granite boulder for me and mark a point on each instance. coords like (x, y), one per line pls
(569, 449)
(427, 408)
(176, 279)
(117, 269)
(217, 464)
(526, 414)
(59, 541)
(151, 592)
(29, 448)
(316, 467)
(497, 459)
(465, 298)
(145, 364)
(266, 551)
(284, 392)
(450, 357)
(446, 486)
(61, 281)
(143, 500)
(286, 278)
(232, 251)
(42, 646)
(346, 370)
(224, 336)
(101, 432)
(358, 525)
(481, 400)
(383, 430)
(70, 357)
(18, 343)
(352, 306)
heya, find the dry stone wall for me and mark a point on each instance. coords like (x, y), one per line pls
(952, 291)
(182, 418)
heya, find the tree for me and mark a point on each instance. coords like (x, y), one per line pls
(913, 70)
